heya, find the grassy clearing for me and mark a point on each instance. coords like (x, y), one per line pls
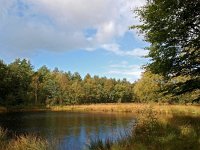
(154, 131)
(23, 142)
(131, 107)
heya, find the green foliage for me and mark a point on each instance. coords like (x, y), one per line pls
(4, 86)
(155, 88)
(21, 85)
(15, 82)
(173, 29)
(148, 88)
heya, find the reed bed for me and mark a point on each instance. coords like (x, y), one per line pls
(113, 107)
(131, 107)
(153, 132)
(23, 142)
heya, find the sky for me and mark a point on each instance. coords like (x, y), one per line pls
(85, 36)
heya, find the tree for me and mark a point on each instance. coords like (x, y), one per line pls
(76, 93)
(4, 82)
(148, 88)
(35, 86)
(20, 74)
(20, 84)
(109, 90)
(76, 76)
(173, 29)
(44, 75)
(88, 88)
(63, 84)
(51, 87)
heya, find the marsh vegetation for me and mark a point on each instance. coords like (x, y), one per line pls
(153, 131)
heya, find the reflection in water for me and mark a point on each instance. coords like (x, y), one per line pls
(72, 129)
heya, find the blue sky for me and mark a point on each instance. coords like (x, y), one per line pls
(79, 36)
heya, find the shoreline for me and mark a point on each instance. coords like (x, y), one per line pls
(111, 107)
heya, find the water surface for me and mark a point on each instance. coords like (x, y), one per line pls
(73, 130)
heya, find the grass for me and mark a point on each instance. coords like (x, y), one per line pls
(153, 131)
(23, 142)
(28, 142)
(112, 107)
(98, 144)
(131, 107)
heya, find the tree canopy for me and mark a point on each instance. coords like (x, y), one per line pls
(172, 27)
(20, 84)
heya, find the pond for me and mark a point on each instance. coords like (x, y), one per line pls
(73, 130)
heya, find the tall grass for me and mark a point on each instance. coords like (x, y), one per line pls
(131, 107)
(153, 131)
(28, 142)
(3, 134)
(99, 144)
(112, 107)
(3, 138)
(23, 142)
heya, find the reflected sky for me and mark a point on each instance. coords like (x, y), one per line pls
(73, 130)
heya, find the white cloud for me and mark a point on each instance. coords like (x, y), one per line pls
(29, 25)
(125, 70)
(115, 48)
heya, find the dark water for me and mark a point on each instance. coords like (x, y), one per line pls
(73, 130)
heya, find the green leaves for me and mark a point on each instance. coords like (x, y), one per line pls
(173, 29)
(20, 84)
